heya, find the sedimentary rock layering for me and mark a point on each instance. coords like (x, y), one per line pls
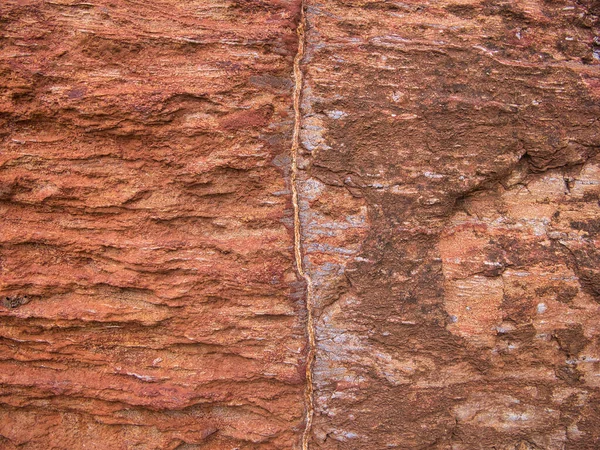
(276, 224)
(147, 224)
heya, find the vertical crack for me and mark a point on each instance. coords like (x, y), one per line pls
(310, 330)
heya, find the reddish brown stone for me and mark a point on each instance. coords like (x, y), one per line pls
(145, 214)
(445, 207)
(459, 308)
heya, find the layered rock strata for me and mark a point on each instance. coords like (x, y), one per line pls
(147, 246)
(231, 224)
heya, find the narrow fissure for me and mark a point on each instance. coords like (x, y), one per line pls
(310, 331)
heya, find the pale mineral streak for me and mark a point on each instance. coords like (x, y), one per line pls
(289, 224)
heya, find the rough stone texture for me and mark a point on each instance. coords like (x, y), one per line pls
(449, 197)
(450, 216)
(149, 295)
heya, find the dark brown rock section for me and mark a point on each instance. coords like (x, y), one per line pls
(450, 210)
(149, 298)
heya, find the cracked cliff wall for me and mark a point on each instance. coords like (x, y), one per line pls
(189, 189)
(146, 215)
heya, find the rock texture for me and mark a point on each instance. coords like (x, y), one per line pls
(150, 297)
(450, 213)
(448, 202)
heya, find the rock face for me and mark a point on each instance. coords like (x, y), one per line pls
(451, 188)
(447, 191)
(146, 223)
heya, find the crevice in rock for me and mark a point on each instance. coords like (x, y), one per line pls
(310, 330)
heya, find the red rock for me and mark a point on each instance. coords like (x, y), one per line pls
(434, 165)
(459, 130)
(146, 214)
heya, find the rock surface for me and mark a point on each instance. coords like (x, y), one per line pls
(146, 225)
(451, 208)
(448, 180)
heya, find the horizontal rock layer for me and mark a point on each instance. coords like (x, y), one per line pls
(448, 180)
(147, 248)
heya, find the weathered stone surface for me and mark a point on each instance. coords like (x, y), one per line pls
(450, 211)
(448, 186)
(145, 214)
